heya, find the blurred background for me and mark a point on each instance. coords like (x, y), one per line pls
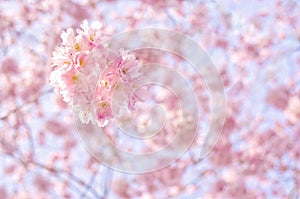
(254, 45)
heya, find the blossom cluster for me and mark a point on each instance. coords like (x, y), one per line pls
(87, 74)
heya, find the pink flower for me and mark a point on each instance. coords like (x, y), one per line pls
(93, 32)
(130, 70)
(103, 112)
(68, 38)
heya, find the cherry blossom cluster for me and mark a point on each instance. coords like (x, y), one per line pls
(87, 74)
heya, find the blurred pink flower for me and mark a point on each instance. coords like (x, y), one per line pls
(9, 66)
(3, 194)
(292, 111)
(278, 97)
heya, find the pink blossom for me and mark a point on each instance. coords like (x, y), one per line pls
(9, 65)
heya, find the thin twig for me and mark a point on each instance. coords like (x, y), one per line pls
(71, 176)
(18, 108)
(89, 184)
(170, 17)
(109, 176)
(53, 170)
